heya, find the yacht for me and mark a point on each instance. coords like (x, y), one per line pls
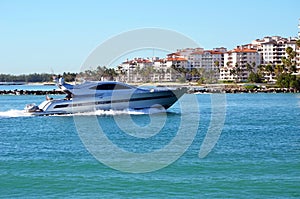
(106, 95)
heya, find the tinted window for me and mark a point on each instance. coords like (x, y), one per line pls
(61, 106)
(110, 87)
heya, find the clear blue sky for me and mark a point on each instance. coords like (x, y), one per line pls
(40, 36)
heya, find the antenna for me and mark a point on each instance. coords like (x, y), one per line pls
(153, 53)
(51, 70)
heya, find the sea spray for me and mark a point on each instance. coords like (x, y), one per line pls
(13, 113)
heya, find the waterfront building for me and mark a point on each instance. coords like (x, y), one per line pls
(298, 51)
(163, 70)
(209, 60)
(178, 60)
(273, 49)
(132, 69)
(200, 58)
(239, 63)
(298, 59)
(154, 70)
(188, 52)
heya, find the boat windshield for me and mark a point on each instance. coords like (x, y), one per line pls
(110, 87)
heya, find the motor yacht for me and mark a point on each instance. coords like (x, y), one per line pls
(106, 95)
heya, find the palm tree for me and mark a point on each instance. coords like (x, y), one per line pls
(261, 68)
(233, 72)
(249, 68)
(298, 43)
(228, 64)
(278, 69)
(253, 65)
(269, 68)
(194, 73)
(298, 46)
(217, 65)
(288, 62)
(238, 71)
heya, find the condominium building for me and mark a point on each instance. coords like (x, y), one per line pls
(239, 63)
(132, 68)
(298, 51)
(187, 52)
(298, 59)
(155, 69)
(200, 58)
(178, 61)
(273, 49)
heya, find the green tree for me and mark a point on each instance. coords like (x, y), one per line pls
(279, 68)
(254, 77)
(286, 78)
(298, 43)
(249, 68)
(288, 62)
(217, 65)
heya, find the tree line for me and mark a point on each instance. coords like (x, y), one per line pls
(68, 76)
(35, 77)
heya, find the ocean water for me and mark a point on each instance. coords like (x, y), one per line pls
(28, 87)
(257, 154)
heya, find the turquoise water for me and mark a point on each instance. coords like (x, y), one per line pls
(28, 87)
(257, 155)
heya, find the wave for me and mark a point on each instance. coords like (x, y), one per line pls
(22, 113)
(13, 113)
(146, 111)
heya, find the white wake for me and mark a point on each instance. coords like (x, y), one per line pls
(13, 113)
(122, 112)
(22, 113)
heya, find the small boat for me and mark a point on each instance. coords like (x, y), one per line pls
(106, 95)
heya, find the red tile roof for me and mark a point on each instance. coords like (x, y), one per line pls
(173, 54)
(214, 52)
(137, 60)
(244, 50)
(176, 59)
(197, 53)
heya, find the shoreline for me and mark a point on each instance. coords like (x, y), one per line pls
(31, 92)
(206, 89)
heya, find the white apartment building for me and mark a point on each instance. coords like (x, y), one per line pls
(237, 62)
(195, 59)
(298, 51)
(272, 49)
(298, 59)
(210, 60)
(164, 66)
(200, 58)
(155, 69)
(187, 52)
(178, 60)
(132, 68)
